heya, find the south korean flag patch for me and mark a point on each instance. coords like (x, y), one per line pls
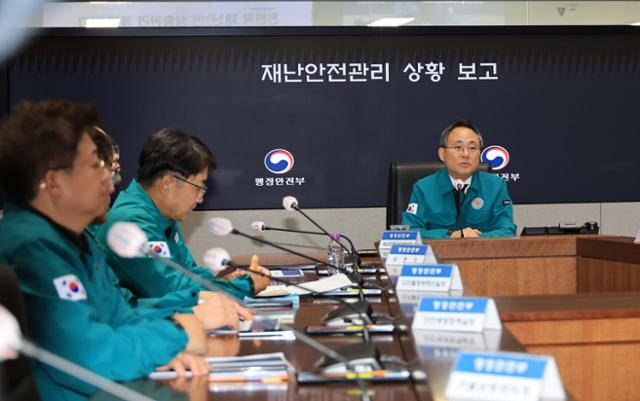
(69, 287)
(159, 248)
(412, 208)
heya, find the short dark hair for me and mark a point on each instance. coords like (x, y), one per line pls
(104, 144)
(172, 149)
(444, 137)
(38, 137)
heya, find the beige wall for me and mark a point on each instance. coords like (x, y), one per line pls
(364, 225)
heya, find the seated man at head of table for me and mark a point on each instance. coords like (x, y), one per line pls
(173, 168)
(459, 201)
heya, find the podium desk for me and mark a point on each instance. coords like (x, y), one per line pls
(608, 264)
(533, 265)
(594, 337)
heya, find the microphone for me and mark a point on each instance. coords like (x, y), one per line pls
(127, 240)
(11, 340)
(221, 227)
(260, 226)
(290, 203)
(218, 259)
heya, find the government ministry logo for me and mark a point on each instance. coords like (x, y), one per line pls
(495, 155)
(498, 157)
(279, 161)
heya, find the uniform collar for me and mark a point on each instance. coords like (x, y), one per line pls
(79, 241)
(135, 190)
(467, 182)
(444, 182)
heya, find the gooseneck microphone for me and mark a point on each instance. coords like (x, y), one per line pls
(290, 203)
(260, 226)
(218, 259)
(222, 227)
(11, 339)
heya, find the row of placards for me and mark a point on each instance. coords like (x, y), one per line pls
(499, 376)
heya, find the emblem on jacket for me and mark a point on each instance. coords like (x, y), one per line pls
(159, 248)
(477, 203)
(412, 208)
(69, 287)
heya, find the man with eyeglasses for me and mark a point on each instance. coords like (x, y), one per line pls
(173, 168)
(183, 301)
(55, 184)
(459, 201)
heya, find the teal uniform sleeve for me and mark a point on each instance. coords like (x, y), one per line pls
(168, 305)
(501, 224)
(418, 221)
(149, 278)
(238, 287)
(146, 277)
(102, 332)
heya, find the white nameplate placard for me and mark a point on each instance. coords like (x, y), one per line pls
(457, 314)
(390, 238)
(504, 376)
(400, 255)
(409, 300)
(438, 278)
(488, 340)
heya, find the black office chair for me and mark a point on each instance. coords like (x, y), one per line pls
(16, 379)
(402, 176)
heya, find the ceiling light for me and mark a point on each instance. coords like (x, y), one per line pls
(102, 23)
(391, 22)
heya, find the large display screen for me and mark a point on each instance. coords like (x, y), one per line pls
(321, 113)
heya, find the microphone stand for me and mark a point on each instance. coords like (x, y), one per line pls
(356, 278)
(353, 251)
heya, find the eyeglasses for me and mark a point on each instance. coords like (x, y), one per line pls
(202, 189)
(98, 165)
(459, 149)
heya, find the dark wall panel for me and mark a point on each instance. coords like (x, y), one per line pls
(564, 106)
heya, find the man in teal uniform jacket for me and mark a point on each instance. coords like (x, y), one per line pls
(54, 185)
(460, 201)
(173, 168)
(180, 300)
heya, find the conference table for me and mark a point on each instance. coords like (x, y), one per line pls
(586, 316)
(571, 296)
